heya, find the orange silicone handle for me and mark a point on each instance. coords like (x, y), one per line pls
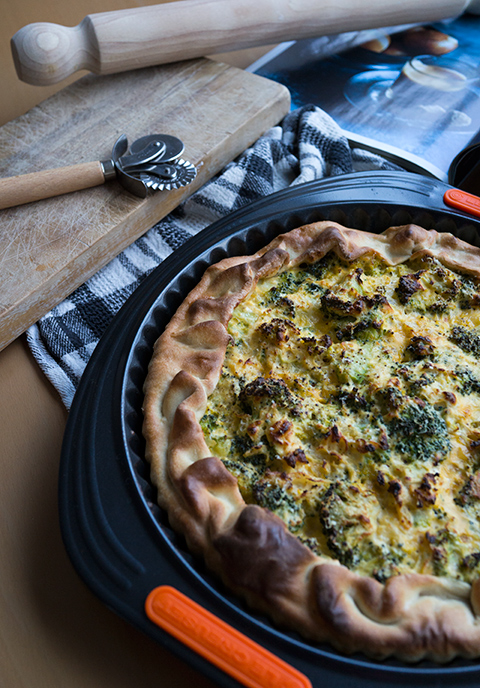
(224, 646)
(461, 200)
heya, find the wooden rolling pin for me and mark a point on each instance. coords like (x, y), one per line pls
(122, 40)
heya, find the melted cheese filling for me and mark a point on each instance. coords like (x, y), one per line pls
(349, 405)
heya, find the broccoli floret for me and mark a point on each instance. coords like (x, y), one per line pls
(471, 561)
(268, 391)
(287, 283)
(390, 399)
(209, 422)
(240, 444)
(241, 447)
(245, 473)
(365, 328)
(278, 330)
(469, 494)
(439, 306)
(416, 386)
(467, 340)
(420, 433)
(419, 347)
(445, 551)
(469, 293)
(314, 288)
(273, 496)
(334, 306)
(468, 383)
(318, 269)
(408, 285)
(388, 558)
(336, 526)
(287, 305)
(353, 400)
(259, 461)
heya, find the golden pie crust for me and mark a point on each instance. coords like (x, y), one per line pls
(410, 616)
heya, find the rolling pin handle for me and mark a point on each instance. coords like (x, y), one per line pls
(35, 186)
(45, 53)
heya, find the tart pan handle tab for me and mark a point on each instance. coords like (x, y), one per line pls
(218, 642)
(462, 200)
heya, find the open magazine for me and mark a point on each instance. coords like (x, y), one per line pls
(410, 93)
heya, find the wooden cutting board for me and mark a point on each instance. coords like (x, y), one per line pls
(50, 247)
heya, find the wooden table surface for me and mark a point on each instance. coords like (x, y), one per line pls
(53, 631)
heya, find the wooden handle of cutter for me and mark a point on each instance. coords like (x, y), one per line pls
(34, 186)
(117, 41)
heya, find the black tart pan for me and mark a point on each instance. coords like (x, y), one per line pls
(118, 539)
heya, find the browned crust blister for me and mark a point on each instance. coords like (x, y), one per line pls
(411, 616)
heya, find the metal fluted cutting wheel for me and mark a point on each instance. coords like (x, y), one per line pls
(172, 175)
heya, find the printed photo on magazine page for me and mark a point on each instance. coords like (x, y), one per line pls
(412, 95)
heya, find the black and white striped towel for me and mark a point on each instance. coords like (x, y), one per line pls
(306, 146)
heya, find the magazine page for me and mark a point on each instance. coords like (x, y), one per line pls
(412, 94)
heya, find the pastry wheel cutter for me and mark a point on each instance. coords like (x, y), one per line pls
(152, 163)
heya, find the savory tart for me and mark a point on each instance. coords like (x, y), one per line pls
(312, 421)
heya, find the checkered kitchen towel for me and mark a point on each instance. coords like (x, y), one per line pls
(306, 146)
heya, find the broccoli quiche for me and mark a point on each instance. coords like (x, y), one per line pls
(312, 421)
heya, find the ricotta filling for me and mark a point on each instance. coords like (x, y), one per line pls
(349, 405)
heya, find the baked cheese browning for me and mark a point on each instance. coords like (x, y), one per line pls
(349, 405)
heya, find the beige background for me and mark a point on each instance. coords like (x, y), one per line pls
(53, 630)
